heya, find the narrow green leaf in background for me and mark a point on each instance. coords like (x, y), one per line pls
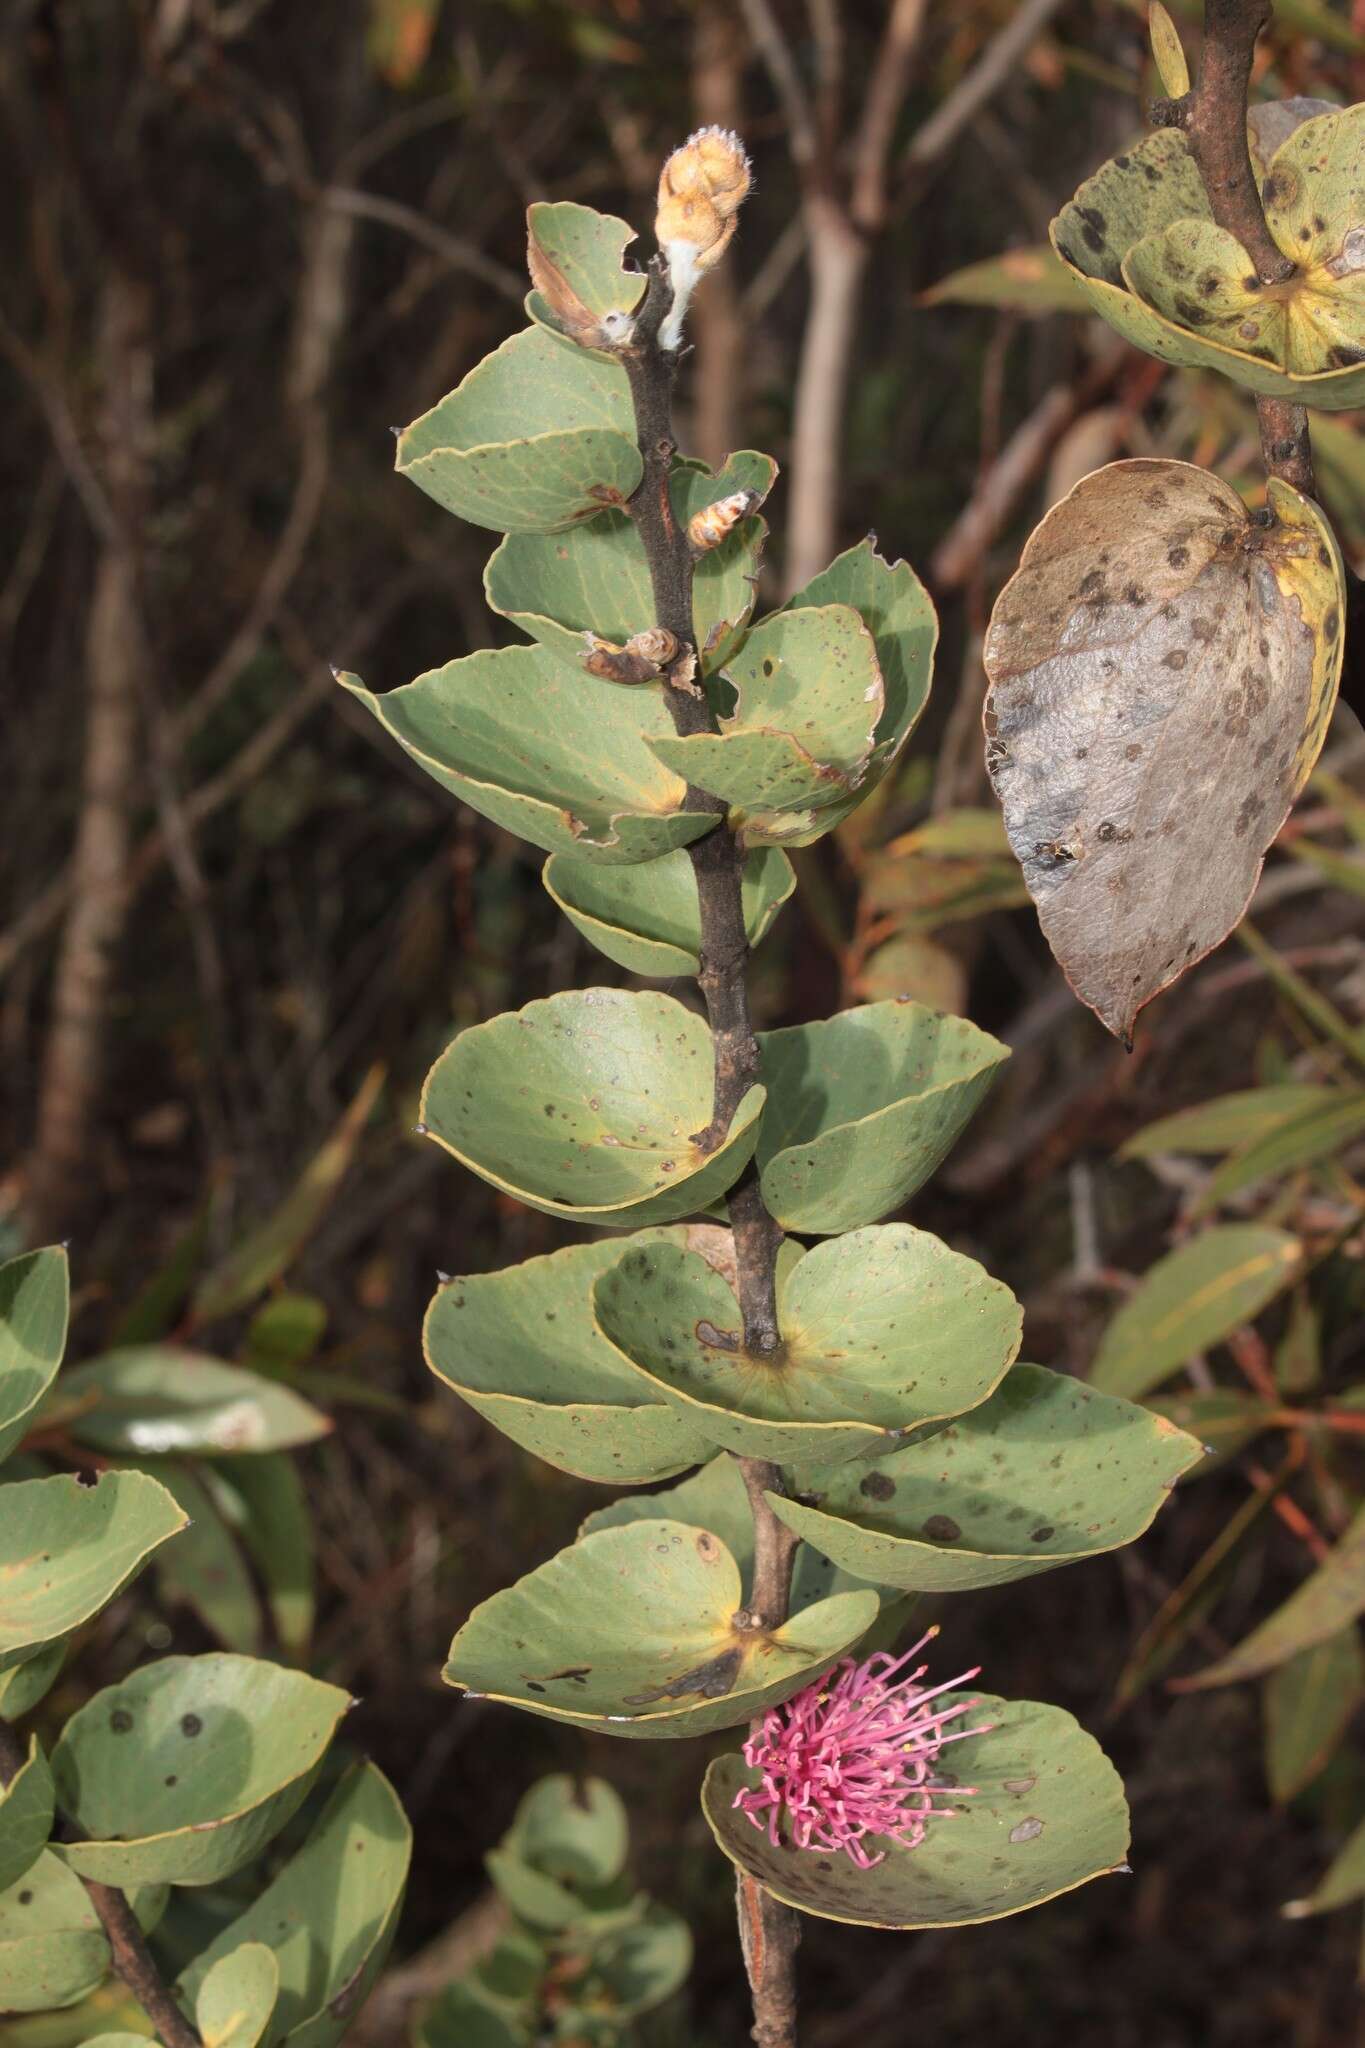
(159, 1400)
(1309, 1703)
(1194, 1297)
(1327, 1601)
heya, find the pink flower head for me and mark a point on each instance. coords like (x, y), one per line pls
(854, 1755)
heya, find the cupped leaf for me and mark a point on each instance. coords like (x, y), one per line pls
(588, 1105)
(329, 1915)
(899, 614)
(1139, 240)
(1195, 1296)
(595, 579)
(1163, 669)
(1048, 1814)
(715, 1498)
(237, 1997)
(645, 1964)
(456, 2018)
(572, 1829)
(67, 1548)
(634, 1631)
(884, 1331)
(554, 755)
(182, 1773)
(862, 1107)
(34, 1305)
(522, 1348)
(539, 436)
(26, 1809)
(159, 1399)
(52, 1948)
(646, 918)
(809, 700)
(576, 259)
(1046, 1472)
(22, 1686)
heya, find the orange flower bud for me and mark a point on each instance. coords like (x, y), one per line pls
(701, 189)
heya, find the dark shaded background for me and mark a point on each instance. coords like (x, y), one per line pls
(239, 241)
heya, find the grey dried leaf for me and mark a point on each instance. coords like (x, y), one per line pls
(1163, 667)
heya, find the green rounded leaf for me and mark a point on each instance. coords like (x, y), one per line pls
(884, 1331)
(237, 1997)
(587, 1105)
(158, 1399)
(572, 1829)
(26, 1809)
(66, 1549)
(34, 1305)
(1048, 1815)
(646, 918)
(329, 1915)
(22, 1686)
(632, 1631)
(899, 613)
(809, 700)
(645, 1964)
(458, 2019)
(184, 1772)
(715, 1498)
(52, 1947)
(595, 579)
(554, 755)
(862, 1107)
(521, 1346)
(1045, 1473)
(1194, 1297)
(577, 265)
(538, 436)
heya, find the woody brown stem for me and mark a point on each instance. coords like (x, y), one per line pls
(768, 1930)
(133, 1960)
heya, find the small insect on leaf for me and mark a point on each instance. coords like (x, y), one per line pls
(1168, 52)
(1163, 667)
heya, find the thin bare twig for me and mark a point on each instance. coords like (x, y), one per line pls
(991, 70)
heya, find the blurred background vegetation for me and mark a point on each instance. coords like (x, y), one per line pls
(242, 238)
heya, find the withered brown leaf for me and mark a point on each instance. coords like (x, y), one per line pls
(1163, 667)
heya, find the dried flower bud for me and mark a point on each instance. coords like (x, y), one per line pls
(641, 660)
(701, 189)
(709, 527)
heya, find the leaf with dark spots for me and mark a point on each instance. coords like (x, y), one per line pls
(1146, 752)
(713, 1680)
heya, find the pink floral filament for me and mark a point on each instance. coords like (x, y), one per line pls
(854, 1755)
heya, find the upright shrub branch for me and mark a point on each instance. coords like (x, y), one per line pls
(769, 1931)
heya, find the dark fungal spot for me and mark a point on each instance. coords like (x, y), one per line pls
(172, 1780)
(1135, 594)
(1176, 658)
(942, 1529)
(120, 1721)
(191, 1725)
(1342, 357)
(877, 1486)
(1042, 1534)
(1107, 831)
(1177, 557)
(1331, 625)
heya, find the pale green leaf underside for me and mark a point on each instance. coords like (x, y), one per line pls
(26, 1807)
(66, 1549)
(1048, 1815)
(53, 1951)
(594, 578)
(646, 917)
(572, 1829)
(550, 753)
(184, 1772)
(862, 1107)
(34, 1300)
(1044, 1473)
(521, 1347)
(899, 613)
(884, 1331)
(329, 1915)
(631, 1631)
(237, 1997)
(586, 1105)
(539, 436)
